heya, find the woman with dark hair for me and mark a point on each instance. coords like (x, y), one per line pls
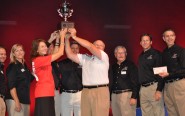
(19, 78)
(42, 69)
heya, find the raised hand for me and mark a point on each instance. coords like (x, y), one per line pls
(53, 36)
(73, 32)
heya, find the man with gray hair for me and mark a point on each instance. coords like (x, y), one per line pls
(95, 93)
(124, 84)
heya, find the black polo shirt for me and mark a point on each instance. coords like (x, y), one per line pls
(146, 62)
(56, 74)
(2, 80)
(71, 75)
(19, 77)
(124, 76)
(174, 59)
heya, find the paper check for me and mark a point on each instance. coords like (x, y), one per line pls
(158, 70)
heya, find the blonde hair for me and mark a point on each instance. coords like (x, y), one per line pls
(12, 56)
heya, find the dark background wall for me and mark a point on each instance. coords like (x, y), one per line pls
(116, 22)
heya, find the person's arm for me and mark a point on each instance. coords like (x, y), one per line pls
(88, 45)
(53, 36)
(134, 83)
(56, 45)
(69, 52)
(13, 93)
(11, 73)
(57, 42)
(158, 63)
(160, 84)
(110, 75)
(51, 39)
(60, 51)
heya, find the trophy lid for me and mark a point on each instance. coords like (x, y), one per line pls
(65, 10)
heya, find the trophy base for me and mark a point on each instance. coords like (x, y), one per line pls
(67, 24)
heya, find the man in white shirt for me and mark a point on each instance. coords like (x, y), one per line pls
(95, 93)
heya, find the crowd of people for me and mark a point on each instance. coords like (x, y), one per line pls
(87, 85)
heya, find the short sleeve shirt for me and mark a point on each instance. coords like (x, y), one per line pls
(94, 70)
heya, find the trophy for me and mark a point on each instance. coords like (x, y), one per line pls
(65, 11)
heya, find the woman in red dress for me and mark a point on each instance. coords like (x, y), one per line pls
(42, 69)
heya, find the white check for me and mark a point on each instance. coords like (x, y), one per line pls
(158, 70)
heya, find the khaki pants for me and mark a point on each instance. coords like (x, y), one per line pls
(2, 107)
(121, 105)
(174, 98)
(25, 111)
(149, 106)
(95, 102)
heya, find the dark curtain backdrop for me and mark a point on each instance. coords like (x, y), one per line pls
(116, 22)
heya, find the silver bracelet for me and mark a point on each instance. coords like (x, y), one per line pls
(57, 44)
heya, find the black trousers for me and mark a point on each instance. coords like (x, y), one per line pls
(44, 106)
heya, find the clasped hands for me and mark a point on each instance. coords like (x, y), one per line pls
(68, 32)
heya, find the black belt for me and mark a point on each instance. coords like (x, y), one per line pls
(2, 96)
(71, 91)
(148, 84)
(121, 91)
(96, 86)
(173, 80)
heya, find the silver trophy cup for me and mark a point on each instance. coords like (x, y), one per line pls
(65, 11)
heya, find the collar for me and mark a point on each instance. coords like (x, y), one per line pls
(148, 51)
(172, 47)
(19, 63)
(122, 63)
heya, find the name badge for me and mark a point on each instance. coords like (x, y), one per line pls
(22, 70)
(123, 72)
